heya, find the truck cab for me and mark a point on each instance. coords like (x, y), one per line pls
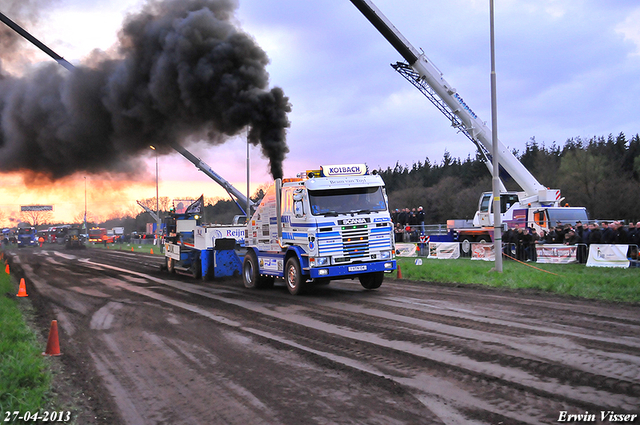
(518, 212)
(26, 236)
(326, 224)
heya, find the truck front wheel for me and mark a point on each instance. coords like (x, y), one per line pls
(171, 265)
(465, 245)
(371, 280)
(293, 276)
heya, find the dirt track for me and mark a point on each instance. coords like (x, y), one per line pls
(143, 347)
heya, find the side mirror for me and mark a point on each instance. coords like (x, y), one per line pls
(298, 208)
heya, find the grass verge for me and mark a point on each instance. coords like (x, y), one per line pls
(146, 248)
(24, 376)
(611, 284)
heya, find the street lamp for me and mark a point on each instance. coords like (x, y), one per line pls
(157, 197)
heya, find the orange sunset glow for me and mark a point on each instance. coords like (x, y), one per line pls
(106, 198)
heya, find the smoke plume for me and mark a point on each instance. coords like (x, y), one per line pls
(183, 72)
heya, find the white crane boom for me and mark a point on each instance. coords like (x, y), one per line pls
(424, 75)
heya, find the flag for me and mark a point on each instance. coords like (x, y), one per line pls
(196, 207)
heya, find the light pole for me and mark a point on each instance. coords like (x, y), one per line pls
(85, 205)
(157, 197)
(248, 213)
(497, 225)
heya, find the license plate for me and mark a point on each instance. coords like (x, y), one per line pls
(357, 268)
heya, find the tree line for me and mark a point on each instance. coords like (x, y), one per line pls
(600, 173)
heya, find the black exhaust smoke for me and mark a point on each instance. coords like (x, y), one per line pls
(183, 72)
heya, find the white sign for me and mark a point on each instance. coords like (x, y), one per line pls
(608, 256)
(405, 250)
(483, 251)
(344, 170)
(444, 250)
(559, 254)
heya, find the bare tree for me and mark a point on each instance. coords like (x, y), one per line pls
(36, 218)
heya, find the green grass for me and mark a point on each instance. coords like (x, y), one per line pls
(127, 247)
(24, 376)
(612, 284)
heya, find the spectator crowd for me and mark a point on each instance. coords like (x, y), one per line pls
(408, 224)
(520, 242)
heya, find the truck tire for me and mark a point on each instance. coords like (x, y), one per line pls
(251, 273)
(196, 269)
(371, 280)
(171, 265)
(293, 276)
(465, 245)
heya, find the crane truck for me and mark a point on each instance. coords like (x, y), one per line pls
(535, 206)
(326, 224)
(204, 251)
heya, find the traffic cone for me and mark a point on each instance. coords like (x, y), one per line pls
(151, 250)
(53, 345)
(22, 290)
(399, 272)
(6, 269)
(131, 249)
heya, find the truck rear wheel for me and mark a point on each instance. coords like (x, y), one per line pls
(251, 273)
(293, 276)
(371, 280)
(196, 269)
(250, 270)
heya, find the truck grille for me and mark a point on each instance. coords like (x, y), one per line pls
(354, 242)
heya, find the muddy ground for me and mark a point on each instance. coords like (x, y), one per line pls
(141, 346)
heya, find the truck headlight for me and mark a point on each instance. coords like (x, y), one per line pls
(319, 261)
(385, 255)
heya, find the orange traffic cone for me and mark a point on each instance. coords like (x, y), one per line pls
(22, 290)
(131, 249)
(6, 269)
(151, 250)
(53, 345)
(399, 272)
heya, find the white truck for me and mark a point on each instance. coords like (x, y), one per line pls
(326, 224)
(536, 205)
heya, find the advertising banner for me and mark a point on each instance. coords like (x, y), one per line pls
(608, 256)
(444, 250)
(556, 253)
(483, 251)
(406, 249)
(24, 208)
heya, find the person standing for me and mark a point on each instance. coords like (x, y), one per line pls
(420, 220)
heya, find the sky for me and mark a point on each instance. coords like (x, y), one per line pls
(565, 69)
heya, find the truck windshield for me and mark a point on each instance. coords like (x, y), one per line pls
(347, 201)
(567, 215)
(26, 231)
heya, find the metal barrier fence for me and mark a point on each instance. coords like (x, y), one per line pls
(528, 252)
